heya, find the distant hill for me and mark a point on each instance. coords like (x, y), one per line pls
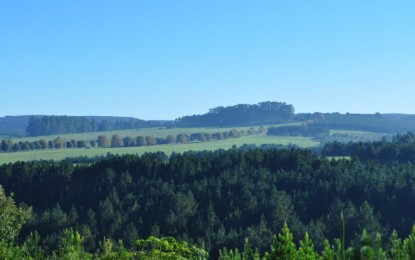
(52, 125)
(380, 123)
(14, 126)
(241, 115)
(264, 113)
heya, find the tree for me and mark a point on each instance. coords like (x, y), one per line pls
(44, 144)
(306, 250)
(103, 141)
(81, 144)
(93, 143)
(6, 145)
(16, 147)
(128, 141)
(151, 140)
(116, 141)
(58, 143)
(283, 246)
(182, 138)
(168, 248)
(71, 246)
(217, 136)
(171, 139)
(12, 218)
(234, 133)
(141, 141)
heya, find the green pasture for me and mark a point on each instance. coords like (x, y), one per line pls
(356, 135)
(60, 154)
(154, 132)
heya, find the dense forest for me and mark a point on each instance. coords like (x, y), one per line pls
(53, 125)
(216, 199)
(13, 126)
(242, 114)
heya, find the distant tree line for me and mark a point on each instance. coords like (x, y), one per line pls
(55, 125)
(379, 123)
(299, 130)
(238, 115)
(242, 114)
(264, 113)
(103, 141)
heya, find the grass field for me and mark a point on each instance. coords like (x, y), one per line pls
(168, 149)
(154, 132)
(356, 135)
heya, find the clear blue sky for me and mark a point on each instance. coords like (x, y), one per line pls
(164, 59)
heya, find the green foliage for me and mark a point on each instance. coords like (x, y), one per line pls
(306, 250)
(283, 246)
(12, 218)
(168, 248)
(396, 249)
(71, 246)
(328, 252)
(32, 249)
(219, 197)
(409, 244)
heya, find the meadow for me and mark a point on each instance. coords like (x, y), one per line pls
(257, 139)
(59, 154)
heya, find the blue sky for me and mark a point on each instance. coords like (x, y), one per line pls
(165, 59)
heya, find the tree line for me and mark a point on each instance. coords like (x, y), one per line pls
(215, 199)
(263, 113)
(238, 115)
(55, 125)
(103, 141)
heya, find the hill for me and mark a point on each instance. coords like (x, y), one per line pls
(14, 126)
(263, 113)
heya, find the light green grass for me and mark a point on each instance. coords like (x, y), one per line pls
(154, 132)
(354, 135)
(349, 132)
(168, 149)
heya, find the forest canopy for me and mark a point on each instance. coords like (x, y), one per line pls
(215, 199)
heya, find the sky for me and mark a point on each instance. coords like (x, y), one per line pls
(166, 59)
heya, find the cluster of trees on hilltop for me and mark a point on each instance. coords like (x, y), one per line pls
(55, 125)
(213, 198)
(242, 114)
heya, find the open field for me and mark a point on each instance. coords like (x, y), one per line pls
(354, 135)
(154, 132)
(60, 154)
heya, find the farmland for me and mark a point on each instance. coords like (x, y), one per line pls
(60, 154)
(257, 139)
